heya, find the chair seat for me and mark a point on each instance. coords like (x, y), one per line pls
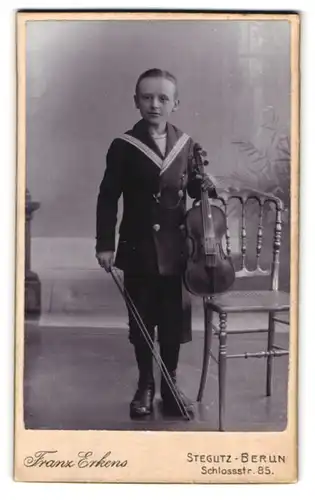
(251, 301)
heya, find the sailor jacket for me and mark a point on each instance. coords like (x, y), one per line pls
(154, 190)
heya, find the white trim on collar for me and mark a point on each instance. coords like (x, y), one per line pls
(176, 149)
(143, 148)
(162, 164)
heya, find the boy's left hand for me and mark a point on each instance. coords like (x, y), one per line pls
(207, 183)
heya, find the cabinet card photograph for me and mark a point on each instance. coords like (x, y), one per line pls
(157, 247)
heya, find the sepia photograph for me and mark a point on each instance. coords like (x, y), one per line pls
(156, 219)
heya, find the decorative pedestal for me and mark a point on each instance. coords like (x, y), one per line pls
(32, 282)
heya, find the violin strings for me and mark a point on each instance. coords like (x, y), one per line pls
(150, 342)
(204, 200)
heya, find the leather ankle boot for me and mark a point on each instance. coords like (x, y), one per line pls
(170, 354)
(142, 402)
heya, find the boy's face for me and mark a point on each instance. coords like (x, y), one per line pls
(156, 99)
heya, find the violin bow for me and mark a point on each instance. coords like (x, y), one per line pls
(135, 313)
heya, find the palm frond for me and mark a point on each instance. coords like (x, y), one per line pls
(269, 168)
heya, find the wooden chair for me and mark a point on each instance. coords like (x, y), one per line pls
(269, 300)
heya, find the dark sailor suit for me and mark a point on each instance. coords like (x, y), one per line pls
(151, 247)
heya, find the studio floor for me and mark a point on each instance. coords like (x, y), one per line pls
(79, 374)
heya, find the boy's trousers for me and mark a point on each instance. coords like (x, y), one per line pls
(162, 302)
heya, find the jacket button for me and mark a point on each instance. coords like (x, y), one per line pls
(156, 227)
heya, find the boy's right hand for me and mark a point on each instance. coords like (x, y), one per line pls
(105, 260)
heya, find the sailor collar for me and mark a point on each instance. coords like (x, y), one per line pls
(162, 163)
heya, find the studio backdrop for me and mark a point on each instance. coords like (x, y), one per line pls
(234, 90)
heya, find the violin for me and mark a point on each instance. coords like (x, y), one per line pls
(208, 269)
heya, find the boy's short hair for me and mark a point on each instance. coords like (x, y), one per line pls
(157, 73)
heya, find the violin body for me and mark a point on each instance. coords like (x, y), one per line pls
(208, 269)
(199, 277)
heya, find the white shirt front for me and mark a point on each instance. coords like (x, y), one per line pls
(160, 141)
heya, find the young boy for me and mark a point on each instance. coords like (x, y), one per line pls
(151, 166)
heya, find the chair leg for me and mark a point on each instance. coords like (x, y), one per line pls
(271, 335)
(208, 334)
(222, 369)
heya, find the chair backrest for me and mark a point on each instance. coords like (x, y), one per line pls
(228, 200)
